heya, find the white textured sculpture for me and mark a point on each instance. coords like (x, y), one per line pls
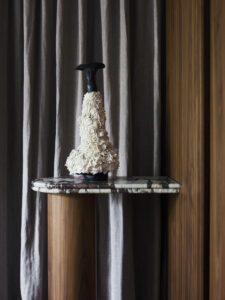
(95, 153)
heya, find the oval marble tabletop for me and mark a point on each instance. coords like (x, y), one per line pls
(78, 185)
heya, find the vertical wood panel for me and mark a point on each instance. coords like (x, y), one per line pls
(217, 178)
(185, 142)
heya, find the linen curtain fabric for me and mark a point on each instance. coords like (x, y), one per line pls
(41, 98)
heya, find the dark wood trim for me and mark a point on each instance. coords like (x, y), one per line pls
(217, 137)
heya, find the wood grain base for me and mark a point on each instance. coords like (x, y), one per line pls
(71, 247)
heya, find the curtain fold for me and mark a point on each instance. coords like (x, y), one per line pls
(42, 91)
(11, 116)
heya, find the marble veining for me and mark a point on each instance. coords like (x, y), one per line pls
(132, 185)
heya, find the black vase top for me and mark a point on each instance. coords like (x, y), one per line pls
(90, 70)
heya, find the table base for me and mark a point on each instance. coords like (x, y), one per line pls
(71, 247)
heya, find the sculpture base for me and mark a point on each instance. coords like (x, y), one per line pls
(95, 177)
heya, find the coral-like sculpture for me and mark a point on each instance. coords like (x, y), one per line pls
(95, 153)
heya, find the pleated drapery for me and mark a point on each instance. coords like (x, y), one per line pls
(41, 99)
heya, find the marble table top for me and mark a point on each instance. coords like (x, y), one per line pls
(78, 185)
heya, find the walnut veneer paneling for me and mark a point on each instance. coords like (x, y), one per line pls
(185, 147)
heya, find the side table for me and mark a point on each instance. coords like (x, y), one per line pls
(71, 228)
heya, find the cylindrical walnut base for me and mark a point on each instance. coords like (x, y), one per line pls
(71, 247)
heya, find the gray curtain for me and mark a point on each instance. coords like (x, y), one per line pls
(40, 101)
